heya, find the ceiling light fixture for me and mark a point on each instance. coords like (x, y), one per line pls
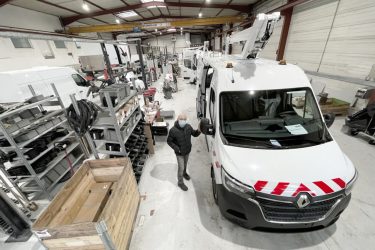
(85, 6)
(160, 33)
(126, 14)
(117, 20)
(200, 14)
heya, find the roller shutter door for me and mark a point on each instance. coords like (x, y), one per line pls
(308, 33)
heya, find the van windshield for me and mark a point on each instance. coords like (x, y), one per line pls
(284, 118)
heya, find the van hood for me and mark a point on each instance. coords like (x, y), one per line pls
(319, 170)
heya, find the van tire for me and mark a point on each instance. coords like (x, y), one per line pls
(214, 187)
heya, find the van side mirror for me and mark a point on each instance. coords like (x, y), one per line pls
(205, 127)
(329, 119)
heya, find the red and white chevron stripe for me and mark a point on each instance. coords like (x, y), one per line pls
(315, 188)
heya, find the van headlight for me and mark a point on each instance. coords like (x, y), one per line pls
(235, 186)
(351, 183)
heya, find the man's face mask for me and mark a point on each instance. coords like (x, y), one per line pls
(182, 123)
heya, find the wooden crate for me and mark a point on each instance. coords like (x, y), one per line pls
(96, 208)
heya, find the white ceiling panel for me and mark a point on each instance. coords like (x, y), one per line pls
(244, 2)
(175, 12)
(228, 12)
(164, 11)
(147, 14)
(131, 2)
(77, 6)
(42, 7)
(109, 4)
(210, 12)
(90, 21)
(155, 11)
(109, 18)
(187, 11)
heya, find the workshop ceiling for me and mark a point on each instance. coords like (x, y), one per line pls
(107, 11)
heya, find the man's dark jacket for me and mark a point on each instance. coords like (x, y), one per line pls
(180, 138)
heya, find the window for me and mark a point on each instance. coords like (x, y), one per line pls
(46, 49)
(21, 42)
(60, 44)
(80, 81)
(257, 118)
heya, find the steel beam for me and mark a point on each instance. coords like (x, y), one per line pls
(175, 23)
(71, 19)
(289, 5)
(284, 33)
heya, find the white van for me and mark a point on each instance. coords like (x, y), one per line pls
(14, 84)
(274, 162)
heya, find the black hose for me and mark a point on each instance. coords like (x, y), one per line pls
(83, 122)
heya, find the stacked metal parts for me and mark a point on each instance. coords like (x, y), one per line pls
(14, 215)
(137, 148)
(37, 149)
(119, 115)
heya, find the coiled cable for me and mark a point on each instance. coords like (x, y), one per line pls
(88, 113)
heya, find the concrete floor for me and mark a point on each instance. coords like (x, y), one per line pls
(169, 218)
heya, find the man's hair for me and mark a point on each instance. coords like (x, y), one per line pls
(182, 116)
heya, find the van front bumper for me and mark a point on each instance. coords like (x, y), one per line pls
(270, 213)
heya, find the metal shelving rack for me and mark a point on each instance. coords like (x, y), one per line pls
(31, 186)
(122, 130)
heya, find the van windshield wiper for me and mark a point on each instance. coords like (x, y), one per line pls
(263, 143)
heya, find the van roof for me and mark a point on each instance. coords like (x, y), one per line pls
(256, 74)
(36, 69)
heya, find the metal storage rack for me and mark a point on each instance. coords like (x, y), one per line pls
(107, 122)
(33, 185)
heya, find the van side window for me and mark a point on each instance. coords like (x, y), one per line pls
(212, 106)
(79, 80)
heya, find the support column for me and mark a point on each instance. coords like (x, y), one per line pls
(140, 55)
(107, 62)
(284, 32)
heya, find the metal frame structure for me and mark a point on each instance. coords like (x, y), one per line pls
(22, 183)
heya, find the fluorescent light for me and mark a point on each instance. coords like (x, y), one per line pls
(156, 6)
(181, 29)
(117, 20)
(85, 6)
(171, 30)
(200, 14)
(126, 14)
(160, 33)
(156, 30)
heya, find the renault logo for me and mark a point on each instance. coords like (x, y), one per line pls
(303, 201)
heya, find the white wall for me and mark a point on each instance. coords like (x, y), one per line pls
(12, 58)
(166, 40)
(14, 16)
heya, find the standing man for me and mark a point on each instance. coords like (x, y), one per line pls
(179, 139)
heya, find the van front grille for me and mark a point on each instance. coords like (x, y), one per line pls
(288, 212)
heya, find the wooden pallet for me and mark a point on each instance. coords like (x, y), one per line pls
(96, 208)
(336, 106)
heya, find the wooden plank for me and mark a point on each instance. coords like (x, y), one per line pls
(110, 174)
(105, 163)
(71, 231)
(120, 212)
(73, 204)
(93, 242)
(95, 202)
(50, 212)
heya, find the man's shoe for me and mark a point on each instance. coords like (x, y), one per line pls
(186, 176)
(183, 186)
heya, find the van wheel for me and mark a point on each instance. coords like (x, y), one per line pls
(214, 187)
